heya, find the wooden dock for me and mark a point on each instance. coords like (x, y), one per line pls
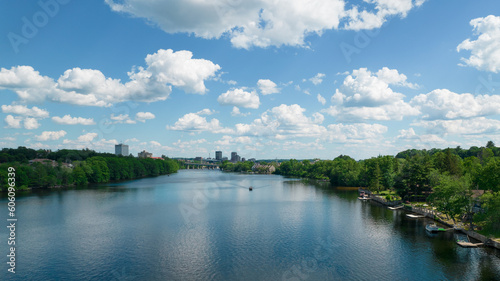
(466, 244)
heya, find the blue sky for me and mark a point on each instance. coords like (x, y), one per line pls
(268, 79)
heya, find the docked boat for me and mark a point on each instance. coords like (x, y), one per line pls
(363, 197)
(413, 216)
(432, 227)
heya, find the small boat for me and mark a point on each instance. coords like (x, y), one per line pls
(413, 216)
(250, 188)
(395, 208)
(432, 227)
(362, 196)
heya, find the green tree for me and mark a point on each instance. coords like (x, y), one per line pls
(100, 170)
(414, 178)
(344, 171)
(485, 155)
(447, 162)
(490, 176)
(376, 178)
(490, 145)
(490, 217)
(79, 176)
(472, 167)
(452, 196)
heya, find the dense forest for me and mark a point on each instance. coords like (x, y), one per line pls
(75, 167)
(454, 180)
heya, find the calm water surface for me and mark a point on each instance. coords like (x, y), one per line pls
(207, 225)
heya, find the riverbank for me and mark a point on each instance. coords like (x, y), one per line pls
(491, 242)
(76, 186)
(431, 214)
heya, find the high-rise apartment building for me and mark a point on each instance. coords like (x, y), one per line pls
(121, 149)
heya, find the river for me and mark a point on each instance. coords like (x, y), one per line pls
(207, 225)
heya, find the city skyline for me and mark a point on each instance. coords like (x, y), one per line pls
(362, 79)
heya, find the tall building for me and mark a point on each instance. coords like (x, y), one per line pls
(121, 149)
(218, 155)
(144, 154)
(235, 157)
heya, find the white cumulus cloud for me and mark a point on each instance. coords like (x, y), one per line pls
(260, 23)
(122, 118)
(236, 112)
(282, 121)
(370, 19)
(368, 96)
(13, 122)
(165, 69)
(444, 104)
(485, 50)
(407, 134)
(362, 88)
(205, 111)
(240, 98)
(193, 122)
(68, 120)
(87, 137)
(473, 126)
(51, 135)
(267, 87)
(318, 79)
(31, 123)
(393, 77)
(92, 141)
(321, 99)
(25, 111)
(143, 116)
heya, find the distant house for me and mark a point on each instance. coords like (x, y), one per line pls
(145, 154)
(44, 161)
(476, 195)
(49, 162)
(263, 169)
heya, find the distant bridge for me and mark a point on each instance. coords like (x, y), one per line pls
(210, 166)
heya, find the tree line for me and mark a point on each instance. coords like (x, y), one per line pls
(76, 167)
(462, 184)
(237, 167)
